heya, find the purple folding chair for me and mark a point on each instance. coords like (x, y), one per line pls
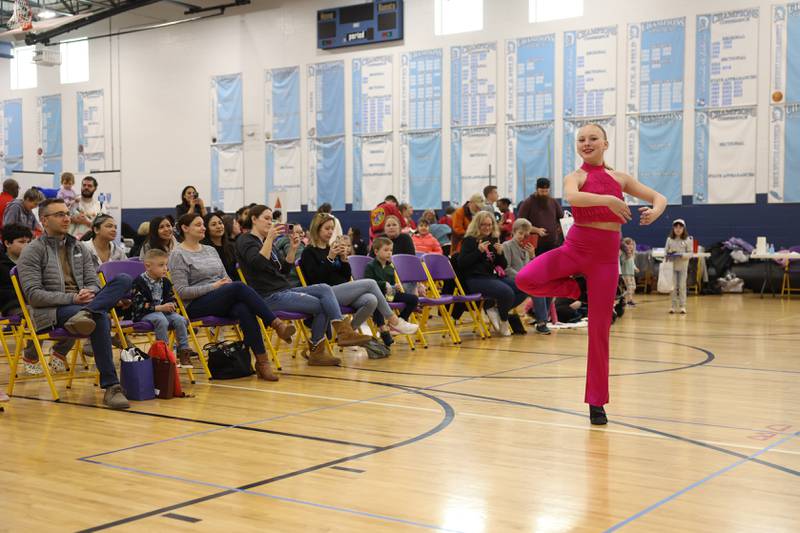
(409, 269)
(440, 269)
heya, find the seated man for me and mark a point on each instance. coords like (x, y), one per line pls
(60, 284)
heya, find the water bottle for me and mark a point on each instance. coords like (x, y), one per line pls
(771, 248)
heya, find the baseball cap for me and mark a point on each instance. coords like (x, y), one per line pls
(679, 221)
(477, 199)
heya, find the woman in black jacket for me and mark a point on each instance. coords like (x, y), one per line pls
(481, 263)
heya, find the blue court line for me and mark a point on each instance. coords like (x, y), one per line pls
(696, 484)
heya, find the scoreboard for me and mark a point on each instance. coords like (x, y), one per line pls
(379, 21)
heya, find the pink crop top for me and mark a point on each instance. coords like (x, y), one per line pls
(598, 181)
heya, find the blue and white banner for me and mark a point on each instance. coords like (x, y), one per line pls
(569, 150)
(421, 169)
(785, 61)
(50, 150)
(91, 131)
(372, 95)
(12, 136)
(284, 175)
(473, 85)
(530, 151)
(655, 65)
(726, 62)
(590, 72)
(282, 104)
(473, 162)
(326, 170)
(530, 78)
(227, 177)
(325, 99)
(373, 172)
(226, 109)
(784, 161)
(725, 156)
(654, 153)
(421, 90)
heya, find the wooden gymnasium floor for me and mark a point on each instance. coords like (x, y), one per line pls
(489, 437)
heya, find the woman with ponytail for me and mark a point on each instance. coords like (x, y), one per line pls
(101, 243)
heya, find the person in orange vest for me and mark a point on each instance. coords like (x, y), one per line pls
(461, 219)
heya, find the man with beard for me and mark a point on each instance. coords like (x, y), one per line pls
(85, 210)
(544, 213)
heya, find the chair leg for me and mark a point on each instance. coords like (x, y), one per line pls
(199, 350)
(73, 361)
(14, 362)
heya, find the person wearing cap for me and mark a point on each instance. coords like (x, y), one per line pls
(677, 245)
(544, 212)
(461, 219)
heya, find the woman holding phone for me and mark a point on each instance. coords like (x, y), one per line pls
(190, 203)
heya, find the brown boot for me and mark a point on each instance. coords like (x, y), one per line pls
(285, 330)
(347, 336)
(185, 358)
(264, 370)
(319, 356)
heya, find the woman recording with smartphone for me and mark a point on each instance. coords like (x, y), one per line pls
(190, 203)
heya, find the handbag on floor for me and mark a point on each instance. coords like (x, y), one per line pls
(165, 371)
(228, 360)
(136, 376)
(666, 277)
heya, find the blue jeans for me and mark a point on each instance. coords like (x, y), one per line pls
(163, 321)
(502, 291)
(316, 300)
(541, 309)
(100, 339)
(238, 301)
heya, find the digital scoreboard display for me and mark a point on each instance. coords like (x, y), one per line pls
(374, 22)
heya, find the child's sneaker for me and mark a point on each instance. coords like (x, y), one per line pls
(683, 310)
(185, 358)
(32, 368)
(58, 363)
(672, 311)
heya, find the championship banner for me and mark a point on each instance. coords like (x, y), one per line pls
(654, 153)
(226, 109)
(784, 150)
(91, 131)
(282, 104)
(373, 173)
(421, 90)
(284, 175)
(474, 162)
(11, 115)
(325, 99)
(227, 177)
(655, 57)
(50, 151)
(372, 95)
(326, 168)
(725, 156)
(421, 169)
(530, 78)
(590, 72)
(569, 151)
(473, 85)
(529, 156)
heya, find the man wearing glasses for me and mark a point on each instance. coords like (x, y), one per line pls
(60, 284)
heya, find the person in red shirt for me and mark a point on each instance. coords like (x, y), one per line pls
(377, 217)
(10, 193)
(506, 218)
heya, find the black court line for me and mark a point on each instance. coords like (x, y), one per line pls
(449, 416)
(182, 517)
(206, 422)
(346, 469)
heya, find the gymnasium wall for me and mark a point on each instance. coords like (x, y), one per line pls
(158, 108)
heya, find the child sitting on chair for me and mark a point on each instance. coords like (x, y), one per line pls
(382, 271)
(154, 302)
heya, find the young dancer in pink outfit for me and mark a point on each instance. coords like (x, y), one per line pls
(592, 248)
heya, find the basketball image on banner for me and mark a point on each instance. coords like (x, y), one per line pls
(49, 111)
(785, 79)
(784, 161)
(421, 169)
(91, 131)
(326, 170)
(474, 162)
(227, 177)
(725, 157)
(282, 104)
(284, 174)
(373, 175)
(12, 135)
(654, 153)
(473, 85)
(325, 99)
(530, 154)
(655, 66)
(530, 78)
(421, 90)
(569, 150)
(590, 72)
(726, 62)
(372, 95)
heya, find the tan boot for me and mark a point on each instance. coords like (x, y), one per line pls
(285, 330)
(264, 370)
(347, 336)
(319, 356)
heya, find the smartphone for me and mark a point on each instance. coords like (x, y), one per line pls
(532, 239)
(289, 228)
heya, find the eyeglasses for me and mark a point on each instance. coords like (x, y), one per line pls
(59, 214)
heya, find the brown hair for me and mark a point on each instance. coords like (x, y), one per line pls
(683, 236)
(317, 222)
(155, 253)
(380, 242)
(185, 220)
(68, 177)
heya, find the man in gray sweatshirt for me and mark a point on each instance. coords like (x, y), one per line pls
(60, 285)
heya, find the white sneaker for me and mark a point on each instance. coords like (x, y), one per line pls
(494, 318)
(505, 329)
(683, 310)
(672, 311)
(403, 327)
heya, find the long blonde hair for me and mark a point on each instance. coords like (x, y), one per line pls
(316, 225)
(605, 137)
(474, 230)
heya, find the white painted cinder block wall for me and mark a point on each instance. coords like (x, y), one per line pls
(158, 98)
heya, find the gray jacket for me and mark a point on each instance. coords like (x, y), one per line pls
(516, 257)
(42, 280)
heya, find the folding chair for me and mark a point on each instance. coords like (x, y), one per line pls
(108, 271)
(786, 282)
(358, 266)
(9, 325)
(439, 269)
(409, 269)
(26, 332)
